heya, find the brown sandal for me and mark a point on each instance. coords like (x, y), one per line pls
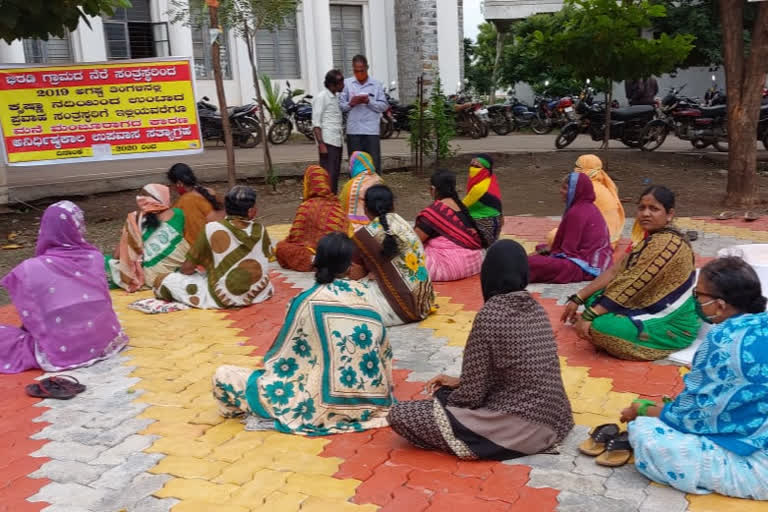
(617, 452)
(598, 439)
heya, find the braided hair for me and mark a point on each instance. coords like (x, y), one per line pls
(444, 182)
(181, 173)
(379, 200)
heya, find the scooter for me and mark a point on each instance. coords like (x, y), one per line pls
(242, 120)
(299, 113)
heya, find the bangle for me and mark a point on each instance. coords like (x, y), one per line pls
(588, 315)
(644, 405)
(576, 299)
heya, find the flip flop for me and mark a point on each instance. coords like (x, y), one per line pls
(598, 439)
(692, 235)
(617, 452)
(725, 215)
(39, 391)
(66, 382)
(751, 216)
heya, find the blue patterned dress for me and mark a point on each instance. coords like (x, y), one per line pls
(714, 436)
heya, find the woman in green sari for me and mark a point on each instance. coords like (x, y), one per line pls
(642, 308)
(152, 243)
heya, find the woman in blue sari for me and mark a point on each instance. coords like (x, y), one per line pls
(714, 436)
(330, 368)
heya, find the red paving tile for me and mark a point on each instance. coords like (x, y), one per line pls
(378, 488)
(405, 499)
(442, 481)
(504, 483)
(363, 463)
(537, 500)
(444, 501)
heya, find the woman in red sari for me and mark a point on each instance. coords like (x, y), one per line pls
(319, 214)
(452, 242)
(582, 247)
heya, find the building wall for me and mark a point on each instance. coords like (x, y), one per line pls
(518, 9)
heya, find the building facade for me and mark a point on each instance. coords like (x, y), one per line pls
(324, 34)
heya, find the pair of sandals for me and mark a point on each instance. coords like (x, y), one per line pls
(609, 445)
(60, 387)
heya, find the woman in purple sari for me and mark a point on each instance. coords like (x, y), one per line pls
(582, 248)
(62, 299)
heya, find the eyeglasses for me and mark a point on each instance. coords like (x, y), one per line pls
(696, 294)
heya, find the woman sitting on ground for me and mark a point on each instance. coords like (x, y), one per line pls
(582, 249)
(362, 176)
(199, 204)
(642, 308)
(483, 198)
(392, 253)
(234, 254)
(152, 243)
(329, 370)
(62, 298)
(452, 242)
(319, 214)
(606, 197)
(509, 400)
(714, 436)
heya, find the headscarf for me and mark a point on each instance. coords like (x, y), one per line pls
(606, 194)
(153, 198)
(505, 269)
(583, 236)
(62, 228)
(483, 197)
(363, 177)
(320, 213)
(486, 160)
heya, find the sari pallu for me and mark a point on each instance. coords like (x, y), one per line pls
(329, 370)
(651, 311)
(362, 177)
(319, 214)
(234, 253)
(718, 422)
(401, 289)
(456, 252)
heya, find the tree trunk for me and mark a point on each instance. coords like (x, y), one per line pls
(269, 171)
(745, 78)
(220, 93)
(607, 132)
(497, 63)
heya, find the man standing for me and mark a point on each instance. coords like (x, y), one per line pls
(364, 99)
(326, 125)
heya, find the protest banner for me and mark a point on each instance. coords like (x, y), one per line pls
(98, 111)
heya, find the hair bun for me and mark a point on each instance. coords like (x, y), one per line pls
(758, 304)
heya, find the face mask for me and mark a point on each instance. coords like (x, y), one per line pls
(474, 170)
(701, 314)
(361, 76)
(180, 189)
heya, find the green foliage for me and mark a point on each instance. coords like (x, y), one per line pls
(272, 100)
(438, 126)
(37, 19)
(477, 70)
(238, 15)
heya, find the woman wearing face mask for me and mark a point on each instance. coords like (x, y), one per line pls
(642, 308)
(483, 198)
(714, 436)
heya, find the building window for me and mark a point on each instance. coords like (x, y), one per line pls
(277, 51)
(131, 34)
(56, 50)
(201, 51)
(347, 35)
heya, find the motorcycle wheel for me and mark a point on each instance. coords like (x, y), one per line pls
(541, 126)
(566, 137)
(386, 127)
(500, 125)
(475, 128)
(653, 137)
(280, 132)
(699, 143)
(721, 145)
(247, 135)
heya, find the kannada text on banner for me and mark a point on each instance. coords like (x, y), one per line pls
(98, 111)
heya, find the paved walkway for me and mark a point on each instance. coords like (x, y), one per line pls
(145, 436)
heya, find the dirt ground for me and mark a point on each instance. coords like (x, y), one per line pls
(529, 184)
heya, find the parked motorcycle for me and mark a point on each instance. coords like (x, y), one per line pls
(299, 113)
(551, 113)
(627, 124)
(397, 117)
(689, 121)
(501, 118)
(242, 120)
(522, 113)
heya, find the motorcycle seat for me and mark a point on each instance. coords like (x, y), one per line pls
(243, 108)
(717, 111)
(625, 113)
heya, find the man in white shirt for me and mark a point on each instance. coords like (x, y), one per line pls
(327, 125)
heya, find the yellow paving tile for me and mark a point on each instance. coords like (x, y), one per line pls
(282, 502)
(321, 486)
(165, 398)
(223, 432)
(309, 464)
(202, 506)
(235, 448)
(719, 503)
(167, 429)
(242, 471)
(264, 483)
(189, 467)
(314, 504)
(156, 385)
(208, 417)
(182, 446)
(196, 489)
(295, 444)
(170, 414)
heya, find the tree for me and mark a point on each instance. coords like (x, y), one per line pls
(245, 18)
(37, 19)
(602, 39)
(746, 66)
(433, 133)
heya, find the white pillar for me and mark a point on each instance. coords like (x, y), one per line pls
(89, 43)
(322, 42)
(12, 53)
